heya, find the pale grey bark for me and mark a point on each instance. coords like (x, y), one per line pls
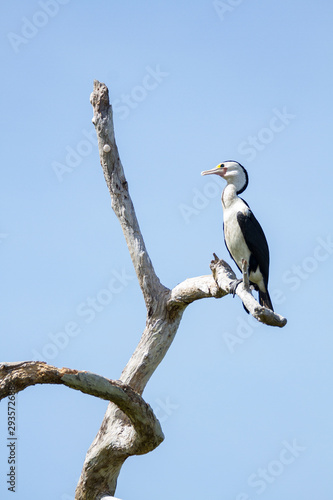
(19, 375)
(120, 198)
(224, 276)
(129, 426)
(164, 311)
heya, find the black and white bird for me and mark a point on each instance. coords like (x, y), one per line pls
(243, 235)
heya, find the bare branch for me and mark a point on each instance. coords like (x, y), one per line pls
(120, 197)
(197, 288)
(224, 276)
(218, 285)
(15, 377)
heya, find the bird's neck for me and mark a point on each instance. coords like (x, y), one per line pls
(229, 195)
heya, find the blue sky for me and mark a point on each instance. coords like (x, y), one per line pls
(246, 409)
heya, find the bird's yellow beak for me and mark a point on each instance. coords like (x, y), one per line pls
(217, 170)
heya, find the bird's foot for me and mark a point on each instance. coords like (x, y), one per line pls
(233, 285)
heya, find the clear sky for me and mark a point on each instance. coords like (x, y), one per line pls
(246, 409)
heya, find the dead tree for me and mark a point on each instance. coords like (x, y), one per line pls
(130, 426)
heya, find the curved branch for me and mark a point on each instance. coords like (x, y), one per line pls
(192, 289)
(15, 377)
(120, 197)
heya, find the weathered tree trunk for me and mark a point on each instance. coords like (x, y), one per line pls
(164, 311)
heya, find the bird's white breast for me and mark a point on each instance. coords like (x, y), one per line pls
(234, 238)
(233, 234)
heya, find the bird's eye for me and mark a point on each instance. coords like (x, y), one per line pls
(221, 166)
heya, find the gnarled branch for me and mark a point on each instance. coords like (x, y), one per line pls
(218, 285)
(15, 377)
(224, 276)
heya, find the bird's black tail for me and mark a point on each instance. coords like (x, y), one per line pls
(265, 300)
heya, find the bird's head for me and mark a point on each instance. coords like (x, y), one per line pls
(233, 172)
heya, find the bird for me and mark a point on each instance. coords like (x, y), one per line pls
(243, 235)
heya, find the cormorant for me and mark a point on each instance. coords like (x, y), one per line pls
(243, 235)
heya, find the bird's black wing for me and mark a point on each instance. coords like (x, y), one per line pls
(256, 241)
